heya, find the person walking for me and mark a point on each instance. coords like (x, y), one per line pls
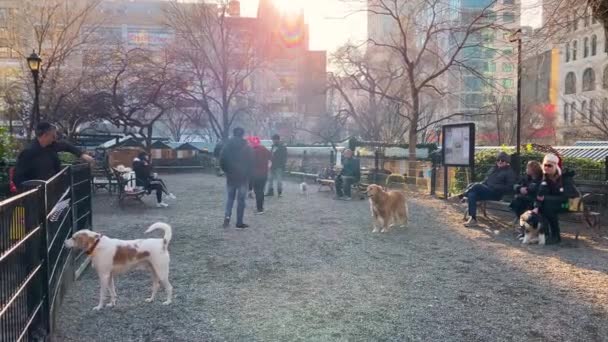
(261, 158)
(277, 167)
(236, 160)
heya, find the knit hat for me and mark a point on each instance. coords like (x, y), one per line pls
(552, 159)
(253, 141)
(503, 156)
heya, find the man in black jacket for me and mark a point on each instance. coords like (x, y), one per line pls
(498, 182)
(277, 167)
(236, 160)
(350, 174)
(40, 160)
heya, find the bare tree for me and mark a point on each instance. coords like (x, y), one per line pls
(419, 29)
(217, 57)
(364, 92)
(56, 30)
(139, 85)
(328, 128)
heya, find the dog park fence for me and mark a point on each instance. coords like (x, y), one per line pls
(35, 267)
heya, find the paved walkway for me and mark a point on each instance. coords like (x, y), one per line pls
(311, 270)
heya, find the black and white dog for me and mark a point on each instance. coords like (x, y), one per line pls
(532, 225)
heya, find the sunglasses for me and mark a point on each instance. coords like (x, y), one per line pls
(548, 165)
(501, 161)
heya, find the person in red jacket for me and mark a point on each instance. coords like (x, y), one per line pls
(261, 157)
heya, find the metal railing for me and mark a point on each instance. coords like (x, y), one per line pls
(35, 267)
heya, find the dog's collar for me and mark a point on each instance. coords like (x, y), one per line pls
(90, 250)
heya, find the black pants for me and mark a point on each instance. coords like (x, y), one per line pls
(343, 185)
(551, 225)
(520, 205)
(159, 186)
(258, 184)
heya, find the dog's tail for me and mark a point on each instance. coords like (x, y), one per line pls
(164, 227)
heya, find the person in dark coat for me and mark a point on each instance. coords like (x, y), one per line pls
(40, 160)
(261, 158)
(277, 167)
(498, 182)
(552, 198)
(236, 160)
(145, 179)
(349, 175)
(526, 190)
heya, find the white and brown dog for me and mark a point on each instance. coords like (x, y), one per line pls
(533, 230)
(111, 257)
(388, 208)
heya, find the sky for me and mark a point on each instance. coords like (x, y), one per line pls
(328, 27)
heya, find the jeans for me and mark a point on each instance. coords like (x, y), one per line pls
(240, 192)
(343, 185)
(275, 174)
(258, 188)
(479, 192)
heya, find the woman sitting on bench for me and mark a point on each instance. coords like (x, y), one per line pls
(145, 179)
(555, 190)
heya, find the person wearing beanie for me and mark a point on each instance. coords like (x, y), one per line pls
(498, 182)
(261, 158)
(556, 188)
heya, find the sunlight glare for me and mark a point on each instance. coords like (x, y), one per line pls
(290, 6)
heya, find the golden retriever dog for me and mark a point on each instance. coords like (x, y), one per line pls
(533, 230)
(388, 208)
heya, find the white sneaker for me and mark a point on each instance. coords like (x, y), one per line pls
(171, 196)
(161, 205)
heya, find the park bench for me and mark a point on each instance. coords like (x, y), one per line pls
(125, 191)
(594, 195)
(102, 178)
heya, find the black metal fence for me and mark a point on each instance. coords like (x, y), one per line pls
(35, 267)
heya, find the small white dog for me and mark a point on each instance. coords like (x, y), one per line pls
(112, 256)
(304, 188)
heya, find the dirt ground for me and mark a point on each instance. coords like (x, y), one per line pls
(311, 270)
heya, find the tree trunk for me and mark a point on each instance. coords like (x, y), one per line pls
(149, 139)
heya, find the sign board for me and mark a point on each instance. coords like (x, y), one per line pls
(458, 144)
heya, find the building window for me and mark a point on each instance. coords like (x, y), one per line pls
(574, 22)
(586, 47)
(508, 2)
(604, 109)
(592, 111)
(507, 83)
(573, 112)
(574, 47)
(588, 80)
(570, 86)
(508, 52)
(508, 17)
(566, 112)
(593, 45)
(567, 52)
(507, 67)
(605, 78)
(586, 18)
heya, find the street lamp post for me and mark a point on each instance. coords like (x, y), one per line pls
(517, 37)
(34, 61)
